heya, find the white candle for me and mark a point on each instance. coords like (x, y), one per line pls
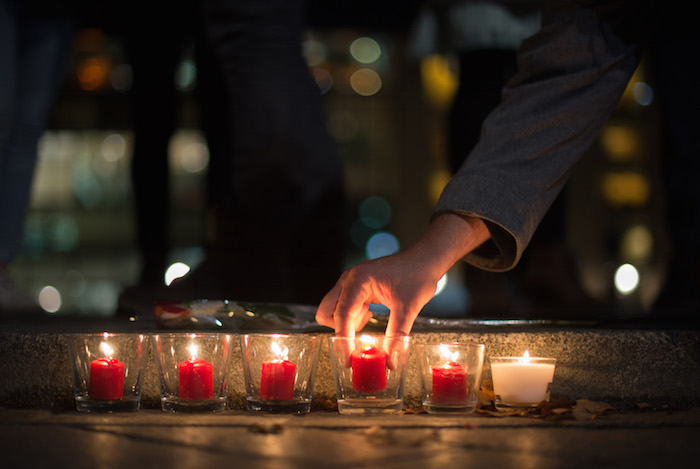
(522, 381)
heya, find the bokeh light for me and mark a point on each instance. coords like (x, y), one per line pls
(365, 50)
(642, 93)
(626, 188)
(626, 279)
(436, 184)
(381, 244)
(49, 299)
(176, 271)
(620, 143)
(186, 75)
(194, 157)
(637, 243)
(365, 82)
(92, 73)
(113, 147)
(375, 212)
(439, 81)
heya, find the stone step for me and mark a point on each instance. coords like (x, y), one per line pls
(622, 364)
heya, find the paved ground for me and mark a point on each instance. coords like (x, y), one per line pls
(633, 363)
(152, 439)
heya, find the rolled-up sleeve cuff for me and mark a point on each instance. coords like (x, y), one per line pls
(508, 219)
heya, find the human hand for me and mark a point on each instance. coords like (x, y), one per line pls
(399, 282)
(402, 282)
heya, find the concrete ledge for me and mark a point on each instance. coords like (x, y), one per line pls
(618, 365)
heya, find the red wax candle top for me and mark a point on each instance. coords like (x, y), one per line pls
(106, 378)
(196, 380)
(449, 383)
(368, 369)
(277, 380)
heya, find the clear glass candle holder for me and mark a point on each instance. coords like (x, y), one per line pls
(369, 372)
(450, 376)
(520, 382)
(193, 368)
(107, 370)
(279, 371)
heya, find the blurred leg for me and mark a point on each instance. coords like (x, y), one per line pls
(280, 227)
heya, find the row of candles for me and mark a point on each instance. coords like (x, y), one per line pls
(369, 373)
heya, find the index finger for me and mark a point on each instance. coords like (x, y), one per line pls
(352, 302)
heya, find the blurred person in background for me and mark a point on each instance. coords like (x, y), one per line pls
(35, 40)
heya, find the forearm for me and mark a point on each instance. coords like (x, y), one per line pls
(571, 75)
(449, 237)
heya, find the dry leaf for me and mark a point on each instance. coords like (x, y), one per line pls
(486, 397)
(585, 409)
(504, 413)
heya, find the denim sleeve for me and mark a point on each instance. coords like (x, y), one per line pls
(570, 77)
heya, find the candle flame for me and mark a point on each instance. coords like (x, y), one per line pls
(193, 350)
(106, 349)
(526, 358)
(447, 354)
(367, 339)
(281, 354)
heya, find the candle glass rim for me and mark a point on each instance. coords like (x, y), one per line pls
(458, 344)
(281, 336)
(373, 335)
(194, 335)
(106, 334)
(521, 358)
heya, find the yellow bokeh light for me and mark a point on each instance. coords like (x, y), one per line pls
(620, 143)
(439, 81)
(626, 189)
(637, 243)
(437, 182)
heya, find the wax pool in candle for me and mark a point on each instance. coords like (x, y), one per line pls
(521, 381)
(106, 378)
(196, 379)
(449, 383)
(368, 369)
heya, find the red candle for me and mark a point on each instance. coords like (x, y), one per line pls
(449, 383)
(106, 378)
(277, 380)
(368, 369)
(196, 380)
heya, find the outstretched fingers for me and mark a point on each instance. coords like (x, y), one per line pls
(345, 307)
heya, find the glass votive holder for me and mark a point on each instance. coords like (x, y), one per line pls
(279, 371)
(369, 373)
(520, 382)
(193, 368)
(107, 370)
(450, 376)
